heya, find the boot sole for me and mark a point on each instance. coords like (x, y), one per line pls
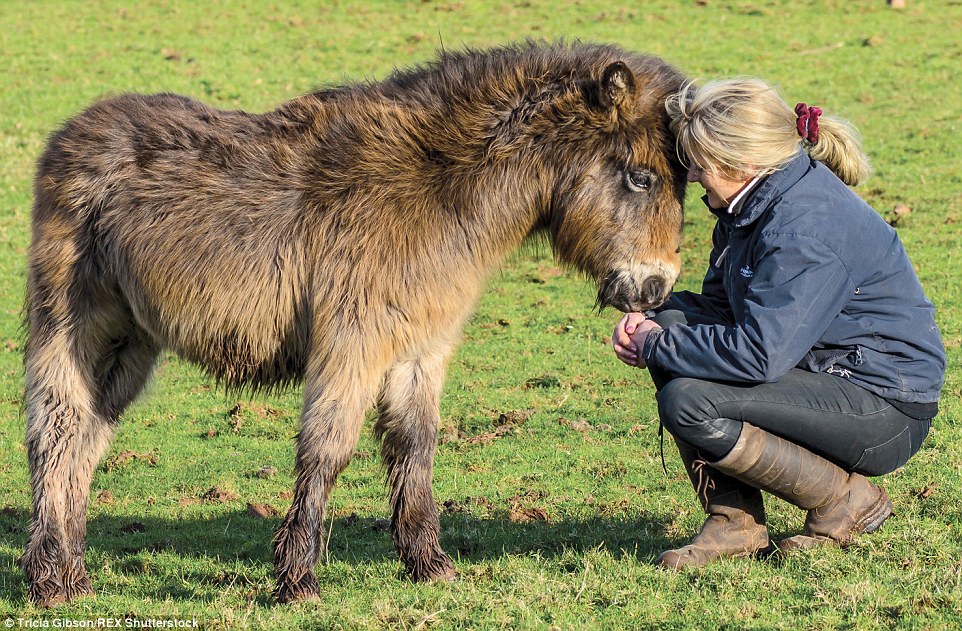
(876, 515)
(869, 522)
(682, 559)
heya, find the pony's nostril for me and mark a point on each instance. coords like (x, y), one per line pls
(653, 289)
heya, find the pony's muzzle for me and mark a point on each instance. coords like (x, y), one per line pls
(628, 292)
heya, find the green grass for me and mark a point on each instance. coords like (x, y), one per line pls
(550, 526)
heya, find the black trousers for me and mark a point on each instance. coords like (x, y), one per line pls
(842, 422)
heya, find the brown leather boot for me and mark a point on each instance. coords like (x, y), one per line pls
(736, 517)
(840, 504)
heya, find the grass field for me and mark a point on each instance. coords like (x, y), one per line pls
(554, 520)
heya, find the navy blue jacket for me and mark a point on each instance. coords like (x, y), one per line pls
(807, 275)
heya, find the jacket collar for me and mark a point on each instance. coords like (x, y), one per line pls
(765, 192)
(742, 196)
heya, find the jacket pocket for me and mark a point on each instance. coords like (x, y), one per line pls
(886, 457)
(823, 359)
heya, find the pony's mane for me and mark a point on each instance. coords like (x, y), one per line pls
(515, 78)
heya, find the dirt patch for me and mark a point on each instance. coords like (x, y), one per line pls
(266, 472)
(486, 438)
(215, 494)
(126, 457)
(524, 515)
(521, 511)
(516, 417)
(261, 511)
(582, 425)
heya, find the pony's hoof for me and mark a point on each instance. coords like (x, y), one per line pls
(79, 588)
(48, 594)
(57, 586)
(293, 592)
(440, 570)
(449, 575)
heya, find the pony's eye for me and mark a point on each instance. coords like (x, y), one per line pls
(638, 181)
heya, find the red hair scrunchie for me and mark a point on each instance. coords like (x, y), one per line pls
(807, 122)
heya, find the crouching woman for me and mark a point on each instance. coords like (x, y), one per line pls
(811, 358)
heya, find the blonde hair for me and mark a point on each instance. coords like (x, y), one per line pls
(741, 127)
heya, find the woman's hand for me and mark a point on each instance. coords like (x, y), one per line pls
(629, 337)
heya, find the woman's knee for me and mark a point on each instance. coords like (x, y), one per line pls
(688, 413)
(685, 406)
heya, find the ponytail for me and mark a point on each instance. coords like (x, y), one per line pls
(839, 147)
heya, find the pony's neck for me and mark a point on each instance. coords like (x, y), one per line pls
(478, 110)
(447, 144)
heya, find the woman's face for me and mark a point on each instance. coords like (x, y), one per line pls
(719, 188)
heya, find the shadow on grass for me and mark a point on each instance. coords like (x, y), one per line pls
(212, 547)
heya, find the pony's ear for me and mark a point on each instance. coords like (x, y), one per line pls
(617, 87)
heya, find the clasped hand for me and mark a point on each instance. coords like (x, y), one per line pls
(629, 338)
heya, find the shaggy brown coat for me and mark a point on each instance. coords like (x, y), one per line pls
(340, 240)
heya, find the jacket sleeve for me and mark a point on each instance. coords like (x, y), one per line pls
(712, 302)
(799, 286)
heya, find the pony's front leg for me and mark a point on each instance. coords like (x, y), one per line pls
(408, 426)
(334, 407)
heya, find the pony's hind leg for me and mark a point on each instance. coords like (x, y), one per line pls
(76, 390)
(61, 409)
(78, 378)
(408, 426)
(121, 375)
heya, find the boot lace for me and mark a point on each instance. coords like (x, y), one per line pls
(661, 445)
(705, 482)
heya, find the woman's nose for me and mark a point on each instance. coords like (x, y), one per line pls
(693, 173)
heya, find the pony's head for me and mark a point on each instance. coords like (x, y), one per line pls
(598, 137)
